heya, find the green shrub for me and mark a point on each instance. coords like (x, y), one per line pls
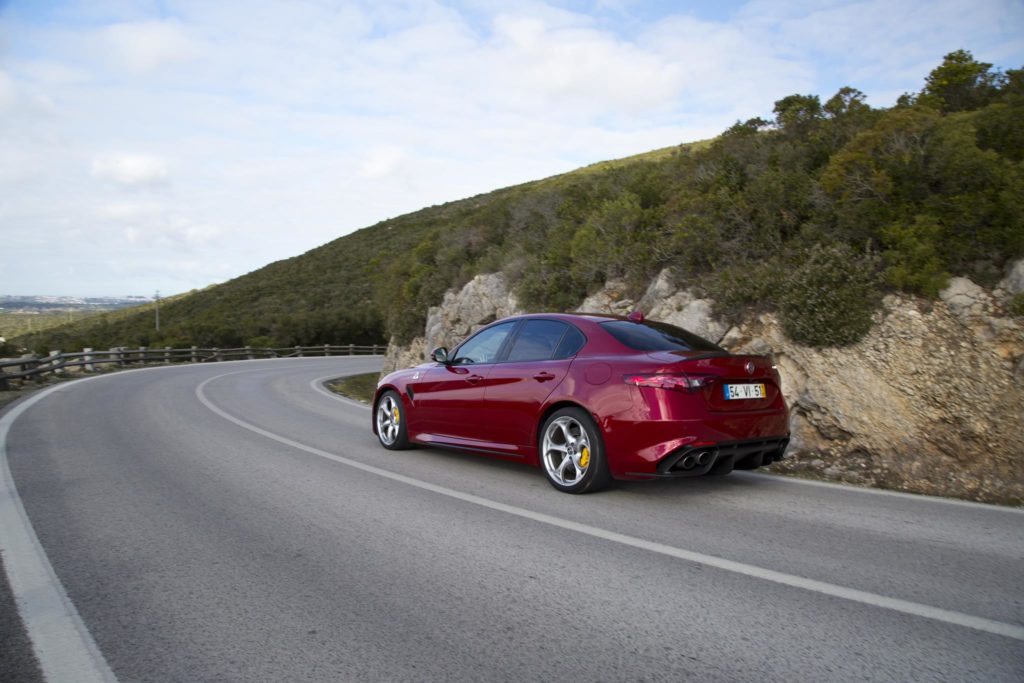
(912, 258)
(744, 288)
(1016, 305)
(830, 298)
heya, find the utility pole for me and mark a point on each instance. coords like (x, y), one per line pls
(158, 310)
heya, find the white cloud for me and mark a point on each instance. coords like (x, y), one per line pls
(284, 125)
(131, 170)
(382, 161)
(7, 93)
(147, 45)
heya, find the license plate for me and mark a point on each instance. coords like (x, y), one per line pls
(740, 391)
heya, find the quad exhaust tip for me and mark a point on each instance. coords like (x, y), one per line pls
(699, 459)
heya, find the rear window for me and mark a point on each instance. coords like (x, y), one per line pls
(654, 336)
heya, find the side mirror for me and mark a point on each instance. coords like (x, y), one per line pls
(439, 355)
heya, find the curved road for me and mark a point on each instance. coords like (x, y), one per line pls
(236, 522)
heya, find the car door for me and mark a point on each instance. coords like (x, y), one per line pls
(448, 403)
(537, 361)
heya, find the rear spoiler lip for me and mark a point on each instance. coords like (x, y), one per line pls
(684, 355)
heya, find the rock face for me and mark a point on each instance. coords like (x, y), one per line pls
(931, 401)
(1014, 282)
(662, 301)
(928, 402)
(483, 300)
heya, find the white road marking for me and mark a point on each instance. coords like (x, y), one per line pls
(884, 492)
(63, 645)
(904, 606)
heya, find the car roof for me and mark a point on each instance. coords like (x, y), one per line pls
(594, 317)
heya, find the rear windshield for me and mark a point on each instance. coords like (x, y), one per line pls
(653, 336)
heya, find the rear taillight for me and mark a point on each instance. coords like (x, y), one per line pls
(672, 382)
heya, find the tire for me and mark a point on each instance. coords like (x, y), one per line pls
(572, 452)
(389, 419)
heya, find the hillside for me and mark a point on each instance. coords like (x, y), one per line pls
(814, 215)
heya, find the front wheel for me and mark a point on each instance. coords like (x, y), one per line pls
(390, 422)
(572, 452)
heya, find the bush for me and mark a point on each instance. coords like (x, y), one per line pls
(914, 264)
(1016, 305)
(744, 288)
(830, 298)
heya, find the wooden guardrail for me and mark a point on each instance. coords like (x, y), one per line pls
(32, 367)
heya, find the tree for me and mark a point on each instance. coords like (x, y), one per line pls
(797, 114)
(961, 83)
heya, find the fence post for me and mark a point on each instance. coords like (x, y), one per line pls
(217, 354)
(88, 367)
(53, 359)
(248, 352)
(326, 349)
(194, 353)
(28, 360)
(143, 354)
(351, 349)
(167, 354)
(298, 352)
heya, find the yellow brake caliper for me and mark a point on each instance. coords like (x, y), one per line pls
(584, 457)
(395, 413)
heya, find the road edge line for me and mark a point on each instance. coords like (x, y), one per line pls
(62, 643)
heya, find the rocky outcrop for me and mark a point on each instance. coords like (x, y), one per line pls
(931, 401)
(1014, 282)
(662, 301)
(482, 300)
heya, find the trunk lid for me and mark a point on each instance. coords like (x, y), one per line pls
(755, 382)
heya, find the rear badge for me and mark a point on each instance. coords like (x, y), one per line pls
(750, 367)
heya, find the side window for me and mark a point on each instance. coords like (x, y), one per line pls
(538, 340)
(571, 343)
(484, 347)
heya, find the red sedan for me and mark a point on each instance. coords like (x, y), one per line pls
(590, 398)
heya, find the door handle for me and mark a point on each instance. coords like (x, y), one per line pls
(544, 377)
(473, 379)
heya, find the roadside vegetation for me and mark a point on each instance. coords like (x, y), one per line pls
(356, 387)
(813, 213)
(14, 324)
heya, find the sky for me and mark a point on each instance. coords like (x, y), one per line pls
(174, 144)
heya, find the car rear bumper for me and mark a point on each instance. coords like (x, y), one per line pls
(663, 448)
(722, 458)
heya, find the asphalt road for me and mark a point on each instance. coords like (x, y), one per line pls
(233, 522)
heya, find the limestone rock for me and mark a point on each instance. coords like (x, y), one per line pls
(682, 308)
(482, 300)
(410, 355)
(609, 299)
(663, 302)
(966, 299)
(1014, 282)
(917, 405)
